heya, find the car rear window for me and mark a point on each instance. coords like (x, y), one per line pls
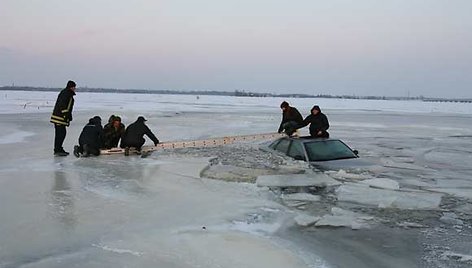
(328, 150)
(274, 144)
(296, 149)
(283, 146)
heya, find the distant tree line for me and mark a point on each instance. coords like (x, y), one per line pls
(237, 93)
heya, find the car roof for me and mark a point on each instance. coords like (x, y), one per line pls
(305, 139)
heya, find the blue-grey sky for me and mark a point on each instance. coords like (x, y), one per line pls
(362, 47)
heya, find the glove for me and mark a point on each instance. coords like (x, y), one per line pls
(156, 143)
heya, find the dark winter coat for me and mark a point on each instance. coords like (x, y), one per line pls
(62, 113)
(134, 134)
(317, 122)
(92, 134)
(291, 114)
(112, 135)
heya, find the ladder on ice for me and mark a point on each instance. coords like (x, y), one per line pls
(212, 142)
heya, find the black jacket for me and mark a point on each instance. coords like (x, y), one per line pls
(291, 114)
(62, 113)
(112, 135)
(135, 132)
(317, 123)
(92, 134)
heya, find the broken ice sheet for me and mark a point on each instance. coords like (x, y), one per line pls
(306, 220)
(363, 194)
(300, 197)
(345, 218)
(296, 180)
(343, 175)
(382, 183)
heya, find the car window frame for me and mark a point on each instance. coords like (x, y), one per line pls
(274, 144)
(302, 147)
(288, 147)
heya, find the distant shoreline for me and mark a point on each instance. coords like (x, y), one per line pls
(235, 93)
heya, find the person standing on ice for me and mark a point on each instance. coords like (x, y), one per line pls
(62, 116)
(134, 135)
(318, 122)
(291, 119)
(113, 132)
(91, 138)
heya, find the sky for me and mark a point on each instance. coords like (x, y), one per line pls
(351, 47)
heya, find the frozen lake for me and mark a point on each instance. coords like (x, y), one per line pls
(168, 210)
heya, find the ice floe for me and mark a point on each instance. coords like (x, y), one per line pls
(465, 193)
(301, 197)
(392, 164)
(343, 175)
(407, 224)
(382, 183)
(450, 218)
(306, 220)
(457, 256)
(363, 194)
(345, 218)
(296, 180)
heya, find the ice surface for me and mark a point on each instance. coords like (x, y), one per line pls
(132, 212)
(306, 220)
(382, 183)
(345, 218)
(301, 197)
(343, 175)
(408, 224)
(296, 180)
(450, 218)
(401, 165)
(363, 194)
(33, 102)
(14, 137)
(465, 193)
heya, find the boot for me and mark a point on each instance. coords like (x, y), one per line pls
(86, 152)
(60, 153)
(76, 151)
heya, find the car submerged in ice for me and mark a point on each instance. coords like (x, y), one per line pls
(322, 153)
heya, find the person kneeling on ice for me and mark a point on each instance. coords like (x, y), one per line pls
(113, 132)
(91, 138)
(134, 135)
(318, 123)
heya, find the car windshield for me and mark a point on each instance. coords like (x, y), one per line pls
(328, 150)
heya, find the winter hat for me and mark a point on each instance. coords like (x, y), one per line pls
(142, 119)
(284, 104)
(71, 84)
(316, 107)
(112, 118)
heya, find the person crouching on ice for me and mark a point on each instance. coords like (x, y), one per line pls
(318, 123)
(91, 138)
(134, 135)
(113, 132)
(291, 119)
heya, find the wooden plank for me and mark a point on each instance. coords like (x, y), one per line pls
(212, 142)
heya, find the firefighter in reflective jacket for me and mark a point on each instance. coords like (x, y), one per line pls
(61, 117)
